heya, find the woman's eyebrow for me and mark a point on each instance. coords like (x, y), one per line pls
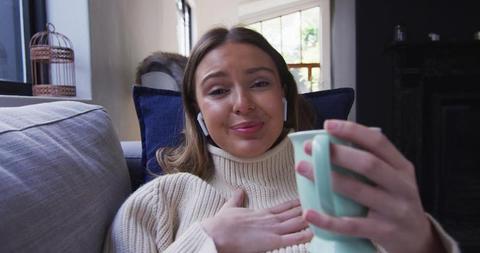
(256, 69)
(213, 74)
(221, 73)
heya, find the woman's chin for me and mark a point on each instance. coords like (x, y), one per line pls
(249, 150)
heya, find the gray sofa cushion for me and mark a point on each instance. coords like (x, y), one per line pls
(132, 151)
(62, 177)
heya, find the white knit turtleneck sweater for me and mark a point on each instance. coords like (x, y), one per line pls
(165, 214)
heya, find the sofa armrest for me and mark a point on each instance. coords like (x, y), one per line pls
(62, 177)
(132, 151)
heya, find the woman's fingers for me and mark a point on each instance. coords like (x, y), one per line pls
(364, 194)
(289, 214)
(291, 226)
(369, 139)
(358, 161)
(395, 207)
(287, 217)
(384, 178)
(303, 236)
(305, 169)
(352, 226)
(363, 163)
(236, 200)
(307, 147)
(282, 207)
(370, 166)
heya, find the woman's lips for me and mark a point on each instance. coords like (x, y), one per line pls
(247, 127)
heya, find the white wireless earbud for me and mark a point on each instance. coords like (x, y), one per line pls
(202, 124)
(285, 110)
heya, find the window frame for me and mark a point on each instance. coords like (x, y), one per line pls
(34, 16)
(257, 11)
(185, 11)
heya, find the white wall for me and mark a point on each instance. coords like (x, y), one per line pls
(123, 32)
(70, 18)
(344, 47)
(213, 13)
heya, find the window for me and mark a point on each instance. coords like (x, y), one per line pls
(184, 27)
(19, 20)
(297, 37)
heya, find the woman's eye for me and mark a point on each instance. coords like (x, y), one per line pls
(218, 92)
(261, 84)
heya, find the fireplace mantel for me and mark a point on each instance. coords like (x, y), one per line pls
(436, 124)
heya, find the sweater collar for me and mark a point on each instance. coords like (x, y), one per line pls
(275, 165)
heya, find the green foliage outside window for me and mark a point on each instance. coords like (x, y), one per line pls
(297, 37)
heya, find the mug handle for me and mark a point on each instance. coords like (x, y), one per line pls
(323, 168)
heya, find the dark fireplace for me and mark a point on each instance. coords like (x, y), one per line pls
(436, 124)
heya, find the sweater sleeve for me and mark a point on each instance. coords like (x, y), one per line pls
(195, 239)
(146, 223)
(448, 243)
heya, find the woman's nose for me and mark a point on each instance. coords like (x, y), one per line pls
(243, 103)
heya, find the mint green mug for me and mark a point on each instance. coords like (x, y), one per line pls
(318, 195)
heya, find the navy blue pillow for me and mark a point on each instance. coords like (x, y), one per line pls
(330, 104)
(160, 115)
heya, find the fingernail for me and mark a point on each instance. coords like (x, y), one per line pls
(301, 168)
(307, 146)
(331, 124)
(307, 214)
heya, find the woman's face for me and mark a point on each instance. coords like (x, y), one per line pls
(239, 93)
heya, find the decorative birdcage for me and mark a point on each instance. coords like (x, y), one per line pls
(52, 60)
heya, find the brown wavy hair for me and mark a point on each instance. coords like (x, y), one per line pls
(170, 63)
(192, 154)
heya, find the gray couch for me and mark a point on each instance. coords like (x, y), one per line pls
(63, 176)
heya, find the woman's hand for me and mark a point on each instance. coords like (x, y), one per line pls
(396, 220)
(238, 229)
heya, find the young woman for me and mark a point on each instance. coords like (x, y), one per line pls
(231, 184)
